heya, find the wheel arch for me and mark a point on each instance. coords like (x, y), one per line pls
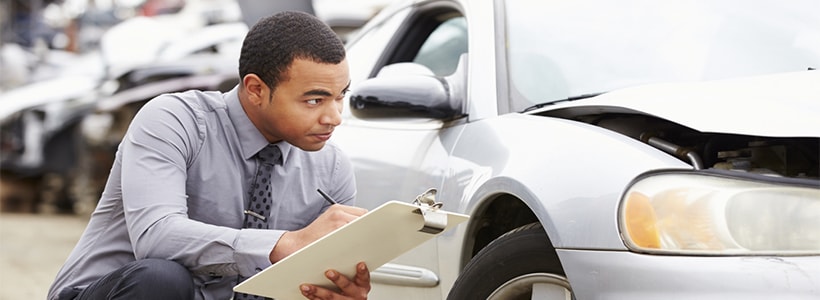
(497, 207)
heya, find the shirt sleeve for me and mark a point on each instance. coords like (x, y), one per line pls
(162, 140)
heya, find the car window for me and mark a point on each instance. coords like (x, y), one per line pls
(441, 50)
(432, 36)
(363, 51)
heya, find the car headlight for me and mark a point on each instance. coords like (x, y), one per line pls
(719, 214)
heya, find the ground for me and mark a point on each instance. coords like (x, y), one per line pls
(33, 247)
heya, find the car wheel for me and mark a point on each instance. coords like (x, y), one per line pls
(518, 265)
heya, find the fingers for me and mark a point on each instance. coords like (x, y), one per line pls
(348, 210)
(362, 278)
(315, 292)
(319, 293)
(339, 215)
(336, 216)
(358, 288)
(341, 281)
(309, 291)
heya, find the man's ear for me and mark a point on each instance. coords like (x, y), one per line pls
(255, 88)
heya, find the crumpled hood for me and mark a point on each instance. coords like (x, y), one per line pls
(780, 105)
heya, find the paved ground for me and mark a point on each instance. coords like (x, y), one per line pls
(32, 249)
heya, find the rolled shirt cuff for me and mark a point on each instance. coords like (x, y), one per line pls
(252, 249)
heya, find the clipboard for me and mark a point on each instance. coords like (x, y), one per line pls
(375, 238)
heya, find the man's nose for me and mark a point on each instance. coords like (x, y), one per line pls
(332, 114)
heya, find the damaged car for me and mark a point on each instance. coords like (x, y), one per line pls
(604, 150)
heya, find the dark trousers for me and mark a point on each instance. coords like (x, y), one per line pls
(142, 279)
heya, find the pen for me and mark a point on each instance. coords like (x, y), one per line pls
(329, 200)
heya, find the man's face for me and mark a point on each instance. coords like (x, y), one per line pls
(304, 109)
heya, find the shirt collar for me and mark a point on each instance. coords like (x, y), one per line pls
(250, 139)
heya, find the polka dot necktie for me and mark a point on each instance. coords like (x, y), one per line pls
(259, 202)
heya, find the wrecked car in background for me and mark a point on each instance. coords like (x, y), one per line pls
(48, 146)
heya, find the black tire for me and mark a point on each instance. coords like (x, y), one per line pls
(510, 266)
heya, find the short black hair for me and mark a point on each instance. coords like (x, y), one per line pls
(275, 41)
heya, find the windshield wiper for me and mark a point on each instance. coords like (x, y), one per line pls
(573, 98)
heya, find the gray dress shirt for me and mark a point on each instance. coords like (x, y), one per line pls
(178, 188)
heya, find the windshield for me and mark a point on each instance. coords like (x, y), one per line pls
(560, 49)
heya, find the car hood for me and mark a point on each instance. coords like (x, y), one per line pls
(779, 105)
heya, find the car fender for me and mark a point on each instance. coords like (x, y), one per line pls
(571, 176)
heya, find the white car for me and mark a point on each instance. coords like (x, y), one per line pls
(603, 149)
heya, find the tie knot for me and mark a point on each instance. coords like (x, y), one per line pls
(269, 155)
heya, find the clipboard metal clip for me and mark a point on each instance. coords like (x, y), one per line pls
(435, 221)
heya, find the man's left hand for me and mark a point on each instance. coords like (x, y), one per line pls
(358, 288)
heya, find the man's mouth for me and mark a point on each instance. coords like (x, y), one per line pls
(324, 136)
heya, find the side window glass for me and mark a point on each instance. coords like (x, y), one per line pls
(364, 49)
(443, 47)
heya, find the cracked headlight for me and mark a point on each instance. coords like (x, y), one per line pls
(721, 214)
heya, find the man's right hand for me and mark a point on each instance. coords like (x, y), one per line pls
(334, 217)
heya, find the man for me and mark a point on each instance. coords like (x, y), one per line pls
(172, 221)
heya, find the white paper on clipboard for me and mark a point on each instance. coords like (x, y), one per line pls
(375, 238)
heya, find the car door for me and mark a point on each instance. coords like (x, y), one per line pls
(400, 157)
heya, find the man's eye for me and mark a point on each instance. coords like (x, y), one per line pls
(313, 101)
(342, 95)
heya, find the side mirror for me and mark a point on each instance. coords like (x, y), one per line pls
(408, 90)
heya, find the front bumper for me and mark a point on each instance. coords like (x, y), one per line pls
(627, 275)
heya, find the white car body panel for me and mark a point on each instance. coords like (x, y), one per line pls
(568, 173)
(683, 103)
(688, 277)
